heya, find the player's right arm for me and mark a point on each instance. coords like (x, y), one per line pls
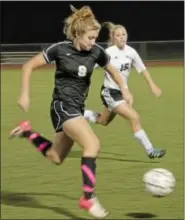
(37, 61)
(27, 69)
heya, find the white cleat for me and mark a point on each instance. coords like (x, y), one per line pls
(94, 207)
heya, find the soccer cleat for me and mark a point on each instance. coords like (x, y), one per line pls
(93, 206)
(18, 131)
(157, 153)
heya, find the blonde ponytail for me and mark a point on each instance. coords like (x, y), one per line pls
(79, 21)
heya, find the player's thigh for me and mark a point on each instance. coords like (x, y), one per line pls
(62, 144)
(79, 130)
(126, 111)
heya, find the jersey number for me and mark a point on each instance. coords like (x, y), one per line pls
(124, 67)
(82, 71)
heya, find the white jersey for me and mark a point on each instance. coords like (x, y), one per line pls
(122, 60)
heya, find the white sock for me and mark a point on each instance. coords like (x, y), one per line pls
(91, 116)
(141, 136)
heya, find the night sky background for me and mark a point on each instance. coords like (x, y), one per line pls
(42, 22)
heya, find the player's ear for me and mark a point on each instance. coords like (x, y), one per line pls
(78, 35)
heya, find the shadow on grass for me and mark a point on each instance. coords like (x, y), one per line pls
(78, 154)
(141, 215)
(27, 200)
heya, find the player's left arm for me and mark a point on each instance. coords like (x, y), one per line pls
(141, 68)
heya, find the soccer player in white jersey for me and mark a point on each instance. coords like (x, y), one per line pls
(122, 58)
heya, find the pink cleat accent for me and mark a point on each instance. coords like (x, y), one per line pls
(17, 131)
(85, 204)
(93, 206)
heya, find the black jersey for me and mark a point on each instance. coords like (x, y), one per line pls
(73, 70)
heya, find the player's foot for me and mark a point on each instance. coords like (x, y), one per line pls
(93, 206)
(157, 153)
(21, 127)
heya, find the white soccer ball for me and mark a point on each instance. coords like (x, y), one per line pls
(159, 182)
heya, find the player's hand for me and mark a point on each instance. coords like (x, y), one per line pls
(156, 90)
(127, 96)
(24, 102)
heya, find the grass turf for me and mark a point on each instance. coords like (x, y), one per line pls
(32, 188)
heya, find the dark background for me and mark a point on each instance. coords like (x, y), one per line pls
(42, 22)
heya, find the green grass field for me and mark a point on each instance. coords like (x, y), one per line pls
(32, 188)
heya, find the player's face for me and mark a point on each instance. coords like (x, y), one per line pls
(87, 40)
(120, 37)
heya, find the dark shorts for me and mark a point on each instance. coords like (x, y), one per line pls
(111, 98)
(61, 112)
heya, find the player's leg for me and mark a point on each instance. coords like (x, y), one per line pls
(54, 152)
(107, 115)
(69, 119)
(62, 145)
(79, 130)
(133, 117)
(103, 118)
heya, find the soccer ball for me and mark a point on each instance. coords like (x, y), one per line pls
(159, 182)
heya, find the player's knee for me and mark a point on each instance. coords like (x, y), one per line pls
(93, 147)
(135, 117)
(104, 122)
(57, 161)
(96, 145)
(52, 155)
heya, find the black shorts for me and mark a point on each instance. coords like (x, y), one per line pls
(62, 111)
(111, 98)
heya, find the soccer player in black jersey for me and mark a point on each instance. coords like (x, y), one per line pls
(74, 61)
